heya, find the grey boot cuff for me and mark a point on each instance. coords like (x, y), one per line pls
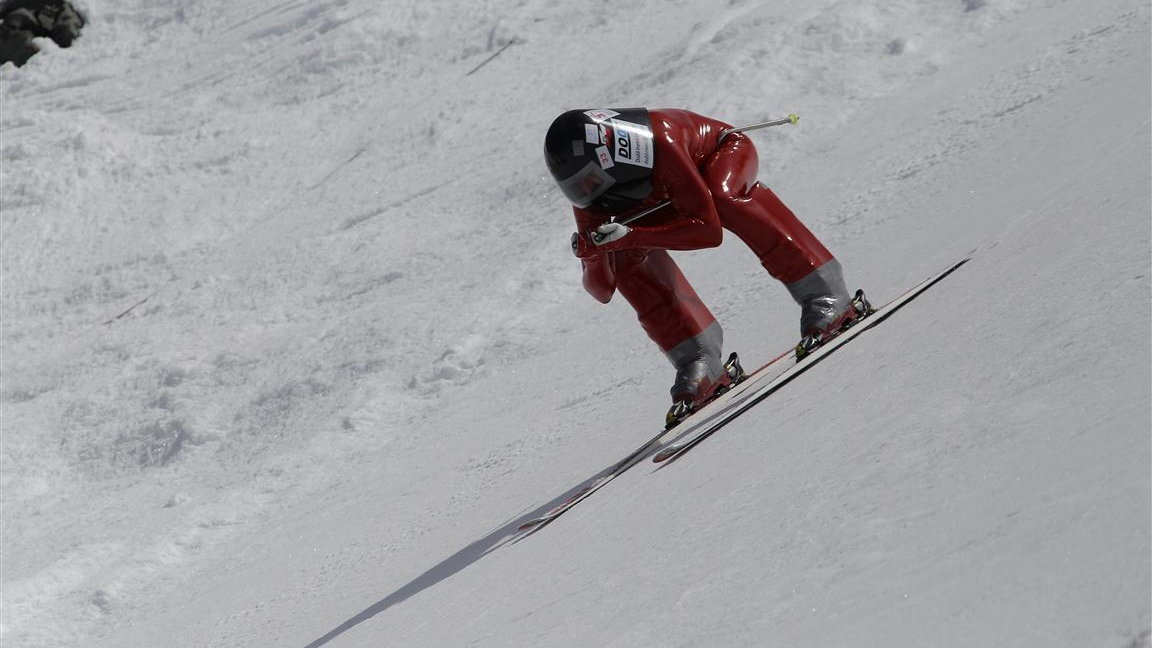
(822, 296)
(697, 359)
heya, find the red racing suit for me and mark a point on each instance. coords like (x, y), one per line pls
(711, 186)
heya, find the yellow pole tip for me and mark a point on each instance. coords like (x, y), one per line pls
(793, 118)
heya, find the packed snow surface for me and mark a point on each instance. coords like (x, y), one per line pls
(292, 337)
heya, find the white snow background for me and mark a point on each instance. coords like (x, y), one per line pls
(292, 336)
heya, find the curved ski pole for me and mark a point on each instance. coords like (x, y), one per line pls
(793, 118)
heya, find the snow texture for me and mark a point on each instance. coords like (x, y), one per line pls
(291, 337)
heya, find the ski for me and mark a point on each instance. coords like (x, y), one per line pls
(769, 384)
(702, 417)
(755, 387)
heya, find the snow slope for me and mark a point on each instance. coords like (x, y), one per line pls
(291, 336)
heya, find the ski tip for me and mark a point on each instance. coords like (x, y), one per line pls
(663, 455)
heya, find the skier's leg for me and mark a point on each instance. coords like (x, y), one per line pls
(786, 248)
(675, 318)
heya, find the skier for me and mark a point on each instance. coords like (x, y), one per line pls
(614, 163)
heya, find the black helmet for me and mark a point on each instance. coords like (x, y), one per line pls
(602, 157)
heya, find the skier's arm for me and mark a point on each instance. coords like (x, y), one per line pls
(599, 277)
(599, 269)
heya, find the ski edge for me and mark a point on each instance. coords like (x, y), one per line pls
(528, 527)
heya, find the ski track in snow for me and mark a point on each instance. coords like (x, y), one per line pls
(291, 337)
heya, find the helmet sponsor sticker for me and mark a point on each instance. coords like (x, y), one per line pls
(632, 143)
(605, 158)
(592, 134)
(601, 114)
(586, 185)
(577, 148)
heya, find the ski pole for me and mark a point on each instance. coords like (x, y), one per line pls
(790, 119)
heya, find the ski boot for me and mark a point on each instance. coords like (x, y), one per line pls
(858, 309)
(685, 405)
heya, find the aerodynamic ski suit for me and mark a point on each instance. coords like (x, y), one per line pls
(711, 186)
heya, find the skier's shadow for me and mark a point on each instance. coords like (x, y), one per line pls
(457, 562)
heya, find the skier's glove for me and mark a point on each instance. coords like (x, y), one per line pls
(582, 247)
(609, 232)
